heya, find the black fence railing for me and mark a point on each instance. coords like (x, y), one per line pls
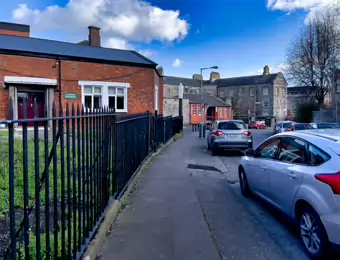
(59, 175)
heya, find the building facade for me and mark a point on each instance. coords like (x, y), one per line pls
(256, 96)
(43, 71)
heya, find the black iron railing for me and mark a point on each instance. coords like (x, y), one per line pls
(59, 177)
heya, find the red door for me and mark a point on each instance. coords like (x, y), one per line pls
(31, 97)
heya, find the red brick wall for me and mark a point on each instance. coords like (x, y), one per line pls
(197, 119)
(224, 116)
(14, 33)
(140, 93)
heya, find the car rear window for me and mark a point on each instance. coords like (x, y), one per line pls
(302, 126)
(230, 126)
(286, 125)
(317, 156)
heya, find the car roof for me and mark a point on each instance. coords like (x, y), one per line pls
(330, 134)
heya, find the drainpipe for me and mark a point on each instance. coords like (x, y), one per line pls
(59, 84)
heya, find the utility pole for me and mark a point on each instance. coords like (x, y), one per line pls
(202, 133)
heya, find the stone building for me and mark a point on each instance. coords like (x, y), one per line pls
(256, 96)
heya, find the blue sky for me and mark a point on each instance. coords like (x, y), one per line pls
(239, 36)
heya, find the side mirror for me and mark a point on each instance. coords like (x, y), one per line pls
(250, 152)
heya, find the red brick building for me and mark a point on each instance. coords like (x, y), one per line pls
(45, 71)
(214, 109)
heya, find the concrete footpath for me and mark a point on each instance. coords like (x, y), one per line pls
(180, 213)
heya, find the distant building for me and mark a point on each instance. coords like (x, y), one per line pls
(256, 96)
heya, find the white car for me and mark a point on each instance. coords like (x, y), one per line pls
(299, 173)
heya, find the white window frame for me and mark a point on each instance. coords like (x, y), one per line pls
(194, 110)
(264, 91)
(221, 93)
(222, 112)
(242, 90)
(251, 91)
(199, 109)
(276, 91)
(105, 92)
(231, 93)
(226, 112)
(92, 95)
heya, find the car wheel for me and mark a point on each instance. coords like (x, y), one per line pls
(244, 183)
(313, 234)
(214, 151)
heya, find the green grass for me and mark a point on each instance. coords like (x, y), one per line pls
(19, 173)
(3, 133)
(178, 136)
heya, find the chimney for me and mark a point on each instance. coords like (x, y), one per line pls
(266, 70)
(197, 77)
(14, 29)
(94, 36)
(160, 70)
(214, 76)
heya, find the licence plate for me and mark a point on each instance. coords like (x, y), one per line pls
(231, 136)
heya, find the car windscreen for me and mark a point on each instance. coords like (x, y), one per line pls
(230, 126)
(286, 125)
(323, 126)
(302, 126)
(252, 122)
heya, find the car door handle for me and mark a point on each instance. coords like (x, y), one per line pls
(292, 175)
(263, 167)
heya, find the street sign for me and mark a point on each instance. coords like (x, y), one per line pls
(70, 96)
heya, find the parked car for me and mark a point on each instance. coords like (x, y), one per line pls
(276, 128)
(228, 134)
(284, 125)
(326, 125)
(298, 173)
(256, 125)
(299, 127)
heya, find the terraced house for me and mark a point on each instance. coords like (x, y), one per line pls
(44, 71)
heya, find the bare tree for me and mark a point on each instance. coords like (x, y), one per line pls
(314, 54)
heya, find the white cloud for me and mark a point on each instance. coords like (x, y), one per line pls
(146, 53)
(311, 6)
(130, 20)
(177, 63)
(117, 43)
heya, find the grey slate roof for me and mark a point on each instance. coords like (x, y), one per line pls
(247, 80)
(208, 99)
(170, 80)
(64, 49)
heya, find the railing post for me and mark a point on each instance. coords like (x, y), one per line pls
(149, 132)
(155, 143)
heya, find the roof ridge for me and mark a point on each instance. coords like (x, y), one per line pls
(251, 76)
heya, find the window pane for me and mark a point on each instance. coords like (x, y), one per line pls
(317, 156)
(120, 91)
(292, 151)
(120, 102)
(112, 102)
(87, 90)
(268, 149)
(97, 102)
(265, 91)
(112, 90)
(230, 126)
(97, 90)
(88, 102)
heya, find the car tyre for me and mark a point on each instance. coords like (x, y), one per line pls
(313, 234)
(244, 183)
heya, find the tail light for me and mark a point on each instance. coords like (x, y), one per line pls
(247, 133)
(218, 133)
(333, 180)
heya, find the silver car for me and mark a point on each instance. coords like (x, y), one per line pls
(299, 173)
(229, 134)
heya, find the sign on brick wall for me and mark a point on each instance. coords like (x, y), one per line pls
(70, 96)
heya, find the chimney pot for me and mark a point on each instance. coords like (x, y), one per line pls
(160, 70)
(197, 77)
(214, 76)
(266, 70)
(94, 36)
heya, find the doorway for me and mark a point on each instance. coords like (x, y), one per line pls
(31, 97)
